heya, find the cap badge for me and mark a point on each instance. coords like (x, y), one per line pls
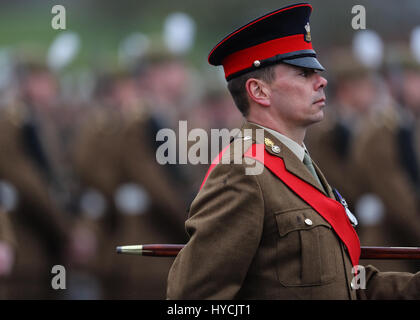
(308, 33)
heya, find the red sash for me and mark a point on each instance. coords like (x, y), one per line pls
(328, 208)
(213, 164)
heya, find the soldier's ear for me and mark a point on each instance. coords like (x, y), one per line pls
(258, 91)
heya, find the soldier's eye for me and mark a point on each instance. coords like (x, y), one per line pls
(304, 73)
(307, 72)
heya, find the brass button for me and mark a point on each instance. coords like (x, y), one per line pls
(275, 149)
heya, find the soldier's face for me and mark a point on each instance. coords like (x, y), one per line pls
(297, 95)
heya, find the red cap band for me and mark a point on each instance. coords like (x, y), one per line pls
(244, 59)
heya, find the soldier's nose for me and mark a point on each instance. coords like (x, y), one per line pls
(321, 82)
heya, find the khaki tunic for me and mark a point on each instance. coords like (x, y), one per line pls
(248, 240)
(378, 158)
(113, 149)
(40, 228)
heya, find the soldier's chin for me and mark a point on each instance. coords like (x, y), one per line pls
(318, 117)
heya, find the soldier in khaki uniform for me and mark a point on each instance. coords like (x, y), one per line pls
(267, 235)
(143, 203)
(39, 223)
(388, 157)
(40, 227)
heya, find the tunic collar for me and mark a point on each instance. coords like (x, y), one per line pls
(297, 149)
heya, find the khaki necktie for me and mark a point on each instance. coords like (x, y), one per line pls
(307, 161)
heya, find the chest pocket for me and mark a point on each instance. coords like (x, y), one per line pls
(307, 249)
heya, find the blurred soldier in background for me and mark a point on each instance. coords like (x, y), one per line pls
(26, 168)
(164, 83)
(126, 197)
(114, 154)
(169, 90)
(351, 149)
(333, 142)
(215, 113)
(389, 159)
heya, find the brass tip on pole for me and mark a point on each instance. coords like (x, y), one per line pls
(136, 249)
